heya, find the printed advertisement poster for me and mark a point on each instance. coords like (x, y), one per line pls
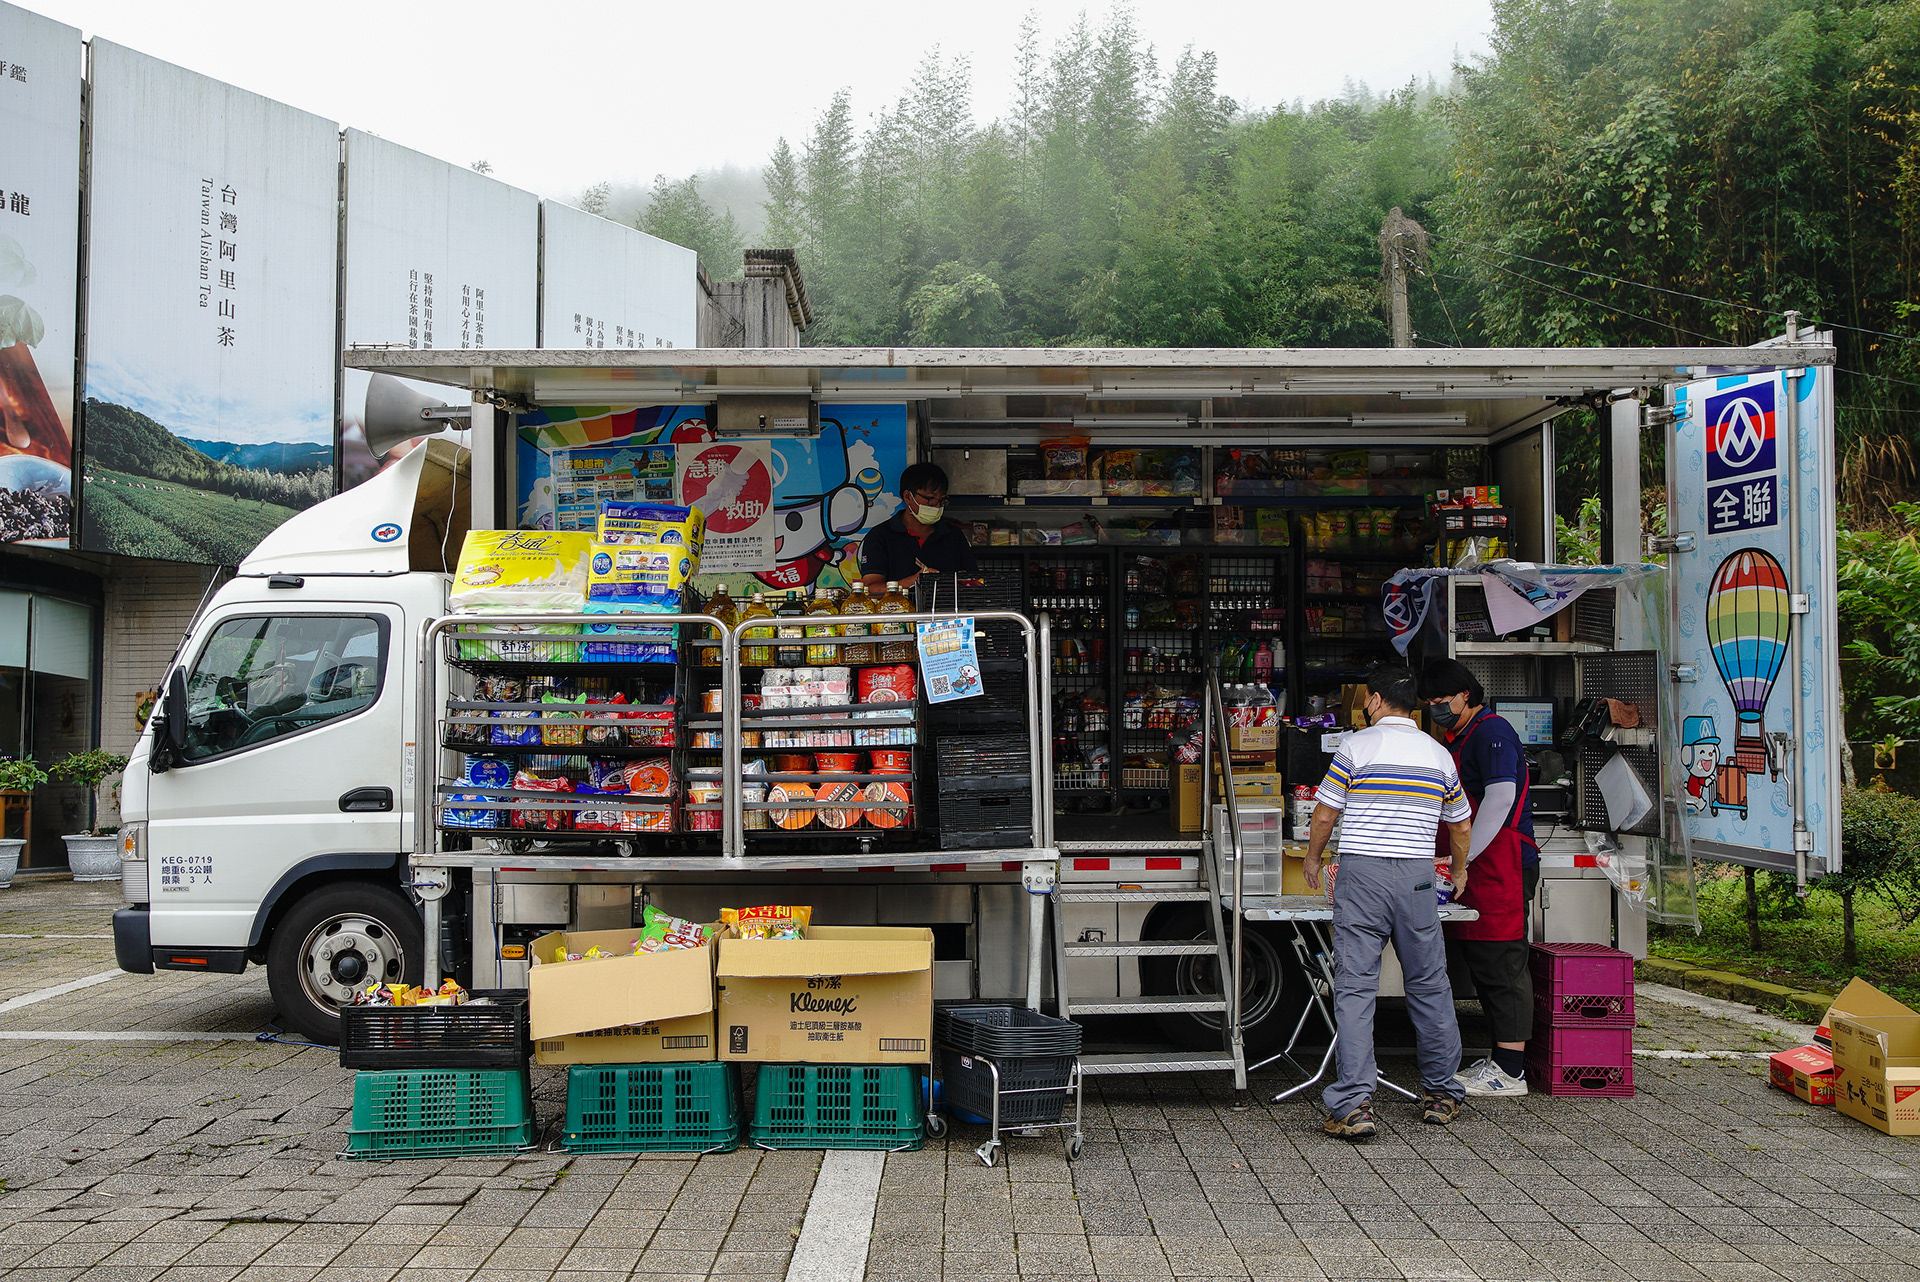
(210, 346)
(437, 256)
(949, 660)
(39, 244)
(607, 285)
(573, 456)
(1758, 743)
(731, 482)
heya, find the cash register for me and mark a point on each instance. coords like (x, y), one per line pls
(1533, 721)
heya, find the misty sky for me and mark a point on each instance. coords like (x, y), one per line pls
(562, 94)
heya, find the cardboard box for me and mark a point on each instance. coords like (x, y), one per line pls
(1804, 1071)
(1293, 872)
(1857, 998)
(842, 995)
(620, 1010)
(1253, 738)
(1876, 1061)
(1188, 813)
(1262, 784)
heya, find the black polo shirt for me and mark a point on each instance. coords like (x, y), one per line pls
(893, 553)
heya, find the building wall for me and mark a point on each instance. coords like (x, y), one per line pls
(149, 605)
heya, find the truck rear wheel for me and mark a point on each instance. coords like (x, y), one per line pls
(1274, 989)
(338, 939)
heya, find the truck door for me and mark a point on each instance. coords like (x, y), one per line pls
(1755, 634)
(294, 741)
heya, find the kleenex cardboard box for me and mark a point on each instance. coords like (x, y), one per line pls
(842, 995)
(643, 1009)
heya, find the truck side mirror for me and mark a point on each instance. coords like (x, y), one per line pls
(170, 726)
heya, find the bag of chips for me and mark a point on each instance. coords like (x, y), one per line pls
(768, 921)
(663, 931)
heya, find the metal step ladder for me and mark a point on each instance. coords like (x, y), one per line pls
(1219, 944)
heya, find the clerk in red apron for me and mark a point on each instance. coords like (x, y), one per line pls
(1504, 861)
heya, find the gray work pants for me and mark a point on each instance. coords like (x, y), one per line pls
(1376, 900)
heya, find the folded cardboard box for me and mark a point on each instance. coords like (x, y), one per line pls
(1805, 1071)
(1857, 998)
(842, 995)
(643, 1009)
(1251, 783)
(1876, 1063)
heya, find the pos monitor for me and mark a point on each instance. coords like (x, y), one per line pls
(1532, 720)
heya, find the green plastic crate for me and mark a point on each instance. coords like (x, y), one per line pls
(440, 1113)
(646, 1108)
(837, 1106)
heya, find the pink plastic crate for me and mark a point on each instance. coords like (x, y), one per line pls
(1581, 1060)
(1585, 984)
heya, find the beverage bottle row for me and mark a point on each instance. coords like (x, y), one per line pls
(792, 620)
(1081, 614)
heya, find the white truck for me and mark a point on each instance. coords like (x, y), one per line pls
(284, 807)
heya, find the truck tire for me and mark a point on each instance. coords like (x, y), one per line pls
(339, 938)
(1275, 990)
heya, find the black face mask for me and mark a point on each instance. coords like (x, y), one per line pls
(1443, 715)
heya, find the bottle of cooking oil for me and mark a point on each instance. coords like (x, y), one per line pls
(757, 656)
(859, 605)
(823, 606)
(895, 602)
(788, 614)
(721, 607)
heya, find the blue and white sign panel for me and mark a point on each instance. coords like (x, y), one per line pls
(1759, 740)
(949, 660)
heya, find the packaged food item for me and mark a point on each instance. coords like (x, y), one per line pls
(756, 656)
(608, 641)
(662, 931)
(1272, 527)
(522, 647)
(823, 607)
(789, 611)
(888, 804)
(555, 736)
(665, 524)
(603, 729)
(892, 684)
(607, 820)
(638, 578)
(891, 761)
(538, 817)
(521, 572)
(703, 794)
(652, 777)
(844, 817)
(710, 700)
(858, 606)
(379, 994)
(768, 921)
(900, 648)
(793, 819)
(840, 763)
(721, 607)
(752, 791)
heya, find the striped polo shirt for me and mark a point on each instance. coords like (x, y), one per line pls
(1393, 785)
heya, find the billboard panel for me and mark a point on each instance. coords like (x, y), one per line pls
(39, 249)
(437, 256)
(1755, 622)
(606, 285)
(210, 337)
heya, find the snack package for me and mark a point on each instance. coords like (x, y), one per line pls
(554, 736)
(535, 817)
(652, 777)
(769, 921)
(638, 578)
(524, 650)
(521, 571)
(660, 932)
(623, 521)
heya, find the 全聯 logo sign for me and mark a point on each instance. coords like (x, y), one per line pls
(1740, 432)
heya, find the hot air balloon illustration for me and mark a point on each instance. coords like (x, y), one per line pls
(1748, 615)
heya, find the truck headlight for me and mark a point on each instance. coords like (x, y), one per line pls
(133, 862)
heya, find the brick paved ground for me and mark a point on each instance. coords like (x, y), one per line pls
(201, 1161)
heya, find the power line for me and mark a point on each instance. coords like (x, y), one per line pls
(1593, 302)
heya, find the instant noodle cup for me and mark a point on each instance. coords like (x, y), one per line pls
(790, 819)
(891, 761)
(754, 819)
(887, 684)
(710, 700)
(792, 763)
(703, 794)
(844, 817)
(844, 763)
(889, 805)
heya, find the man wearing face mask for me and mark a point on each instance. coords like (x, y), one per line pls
(1506, 868)
(915, 540)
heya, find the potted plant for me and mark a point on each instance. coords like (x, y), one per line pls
(93, 855)
(19, 777)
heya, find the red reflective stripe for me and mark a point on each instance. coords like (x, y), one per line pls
(1090, 865)
(1164, 863)
(946, 867)
(1586, 861)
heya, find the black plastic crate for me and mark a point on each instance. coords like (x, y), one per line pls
(966, 1084)
(469, 1036)
(1003, 1029)
(967, 818)
(983, 762)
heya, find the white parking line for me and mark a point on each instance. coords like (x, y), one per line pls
(839, 1224)
(130, 1035)
(1722, 1010)
(59, 990)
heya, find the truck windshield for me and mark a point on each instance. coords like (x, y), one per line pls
(262, 678)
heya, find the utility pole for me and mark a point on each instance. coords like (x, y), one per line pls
(1403, 242)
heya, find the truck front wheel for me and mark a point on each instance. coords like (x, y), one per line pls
(335, 940)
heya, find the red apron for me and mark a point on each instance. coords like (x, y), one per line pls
(1495, 884)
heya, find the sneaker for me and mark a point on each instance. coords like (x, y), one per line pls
(1439, 1110)
(1356, 1125)
(1487, 1078)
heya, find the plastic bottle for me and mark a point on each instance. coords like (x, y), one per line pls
(823, 606)
(790, 610)
(757, 656)
(1263, 664)
(721, 607)
(856, 604)
(899, 650)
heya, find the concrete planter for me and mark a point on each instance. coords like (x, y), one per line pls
(93, 858)
(10, 848)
